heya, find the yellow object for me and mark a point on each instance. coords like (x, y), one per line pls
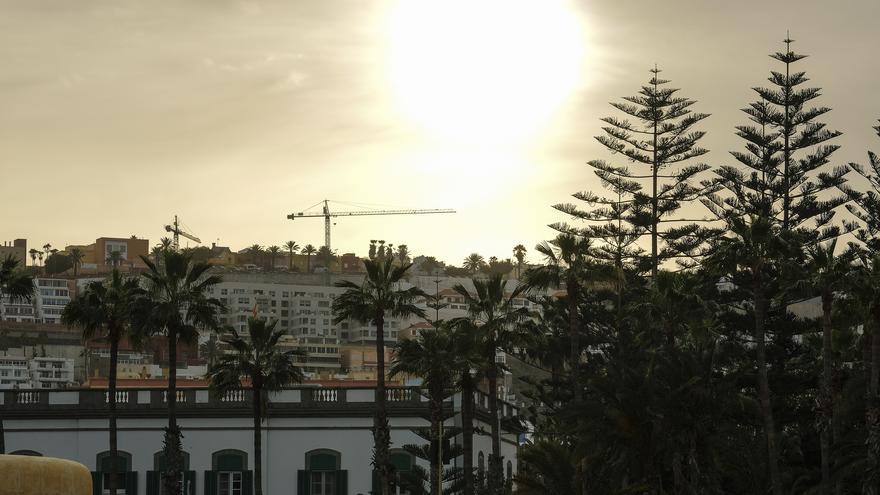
(27, 475)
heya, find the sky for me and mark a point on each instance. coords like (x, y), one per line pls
(117, 115)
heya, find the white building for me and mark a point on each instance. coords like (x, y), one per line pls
(21, 372)
(50, 297)
(316, 441)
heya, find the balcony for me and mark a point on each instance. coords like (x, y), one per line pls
(202, 402)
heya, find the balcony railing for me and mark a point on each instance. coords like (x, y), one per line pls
(198, 402)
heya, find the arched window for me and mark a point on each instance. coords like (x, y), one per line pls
(229, 474)
(509, 471)
(481, 464)
(155, 482)
(32, 453)
(126, 480)
(322, 475)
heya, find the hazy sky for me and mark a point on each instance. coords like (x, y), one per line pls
(116, 115)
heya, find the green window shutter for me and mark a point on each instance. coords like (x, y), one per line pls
(341, 482)
(96, 483)
(303, 486)
(210, 483)
(375, 488)
(247, 482)
(189, 483)
(152, 482)
(131, 483)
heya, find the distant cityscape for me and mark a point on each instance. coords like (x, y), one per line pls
(293, 285)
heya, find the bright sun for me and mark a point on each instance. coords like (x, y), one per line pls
(487, 71)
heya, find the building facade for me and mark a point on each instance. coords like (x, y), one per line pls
(50, 297)
(17, 249)
(316, 441)
(21, 372)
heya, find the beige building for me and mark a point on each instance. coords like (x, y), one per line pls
(16, 248)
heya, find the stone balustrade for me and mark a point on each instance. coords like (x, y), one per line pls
(200, 401)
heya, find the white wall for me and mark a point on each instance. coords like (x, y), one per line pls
(285, 442)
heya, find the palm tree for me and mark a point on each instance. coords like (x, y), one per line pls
(257, 358)
(375, 299)
(292, 247)
(567, 260)
(47, 249)
(40, 256)
(76, 256)
(33, 252)
(210, 351)
(548, 466)
(255, 252)
(430, 356)
(468, 360)
(273, 253)
(176, 306)
(114, 259)
(519, 252)
(325, 256)
(492, 313)
(474, 263)
(403, 254)
(15, 286)
(104, 310)
(309, 250)
(827, 274)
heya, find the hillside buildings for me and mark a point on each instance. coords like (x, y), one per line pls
(18, 372)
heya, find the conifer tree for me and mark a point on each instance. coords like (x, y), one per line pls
(782, 184)
(661, 142)
(866, 205)
(786, 177)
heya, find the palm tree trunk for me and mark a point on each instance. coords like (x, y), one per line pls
(258, 439)
(467, 431)
(381, 433)
(494, 477)
(827, 400)
(111, 400)
(436, 405)
(172, 433)
(764, 390)
(2, 430)
(571, 288)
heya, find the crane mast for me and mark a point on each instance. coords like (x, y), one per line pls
(327, 214)
(177, 232)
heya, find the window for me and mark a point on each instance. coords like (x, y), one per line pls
(121, 464)
(323, 482)
(481, 464)
(229, 483)
(229, 473)
(155, 479)
(403, 462)
(322, 475)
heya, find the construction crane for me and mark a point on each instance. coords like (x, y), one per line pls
(175, 229)
(327, 214)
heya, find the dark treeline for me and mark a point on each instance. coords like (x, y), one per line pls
(731, 350)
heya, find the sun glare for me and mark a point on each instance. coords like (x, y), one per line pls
(483, 70)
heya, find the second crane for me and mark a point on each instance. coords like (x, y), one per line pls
(327, 214)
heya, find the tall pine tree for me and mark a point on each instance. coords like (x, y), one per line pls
(866, 205)
(783, 185)
(657, 135)
(783, 173)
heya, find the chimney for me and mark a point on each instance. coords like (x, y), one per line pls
(213, 245)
